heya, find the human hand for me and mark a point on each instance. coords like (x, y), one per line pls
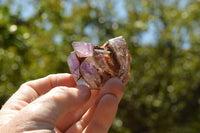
(55, 104)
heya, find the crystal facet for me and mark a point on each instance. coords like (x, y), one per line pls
(93, 65)
(83, 49)
(74, 64)
(89, 73)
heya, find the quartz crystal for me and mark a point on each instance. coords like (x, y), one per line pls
(93, 65)
(74, 64)
(83, 49)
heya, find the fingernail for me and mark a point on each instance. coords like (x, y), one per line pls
(114, 82)
(114, 86)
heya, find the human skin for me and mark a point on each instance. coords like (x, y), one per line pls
(55, 104)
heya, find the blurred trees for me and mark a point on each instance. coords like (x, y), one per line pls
(163, 94)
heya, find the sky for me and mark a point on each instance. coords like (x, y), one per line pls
(147, 37)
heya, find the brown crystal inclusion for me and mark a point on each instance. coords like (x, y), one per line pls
(110, 60)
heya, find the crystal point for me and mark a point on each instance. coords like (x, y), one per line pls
(94, 65)
(83, 49)
(74, 64)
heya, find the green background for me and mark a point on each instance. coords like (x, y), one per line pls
(163, 94)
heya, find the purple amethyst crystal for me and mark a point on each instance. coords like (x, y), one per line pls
(74, 64)
(90, 73)
(93, 65)
(83, 49)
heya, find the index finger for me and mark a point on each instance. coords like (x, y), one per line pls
(43, 85)
(31, 90)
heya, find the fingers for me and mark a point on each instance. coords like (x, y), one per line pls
(70, 118)
(115, 87)
(43, 85)
(106, 109)
(47, 109)
(106, 105)
(33, 89)
(104, 115)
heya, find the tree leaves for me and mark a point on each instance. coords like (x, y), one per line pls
(163, 92)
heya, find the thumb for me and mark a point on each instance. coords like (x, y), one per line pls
(44, 112)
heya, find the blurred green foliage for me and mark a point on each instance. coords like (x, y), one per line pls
(163, 94)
